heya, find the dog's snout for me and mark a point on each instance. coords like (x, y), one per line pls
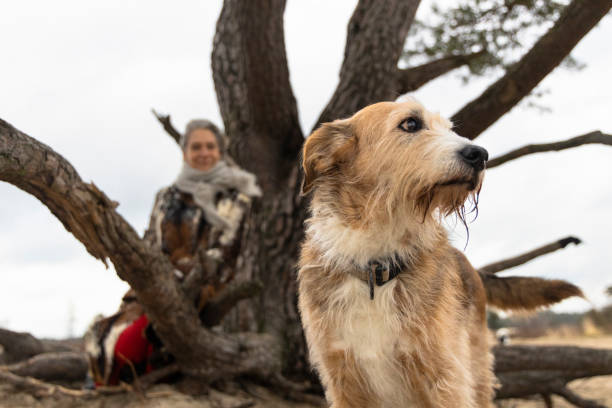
(475, 156)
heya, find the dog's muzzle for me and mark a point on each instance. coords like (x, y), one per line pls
(474, 156)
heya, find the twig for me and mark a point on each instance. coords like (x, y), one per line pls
(168, 127)
(127, 361)
(592, 137)
(52, 389)
(528, 256)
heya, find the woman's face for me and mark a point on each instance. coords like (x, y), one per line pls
(202, 150)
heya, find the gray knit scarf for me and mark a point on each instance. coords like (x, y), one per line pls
(204, 186)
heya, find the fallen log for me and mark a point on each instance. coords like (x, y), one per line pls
(62, 366)
(531, 370)
(17, 346)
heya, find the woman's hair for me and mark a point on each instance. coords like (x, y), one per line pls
(203, 124)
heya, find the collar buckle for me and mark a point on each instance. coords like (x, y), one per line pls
(379, 274)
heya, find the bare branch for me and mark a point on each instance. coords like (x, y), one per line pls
(592, 137)
(528, 256)
(575, 399)
(375, 39)
(411, 79)
(578, 18)
(167, 124)
(220, 305)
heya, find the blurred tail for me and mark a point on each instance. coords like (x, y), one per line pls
(518, 293)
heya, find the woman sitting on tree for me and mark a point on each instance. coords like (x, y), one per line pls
(199, 217)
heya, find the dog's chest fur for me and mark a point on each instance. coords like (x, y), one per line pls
(373, 331)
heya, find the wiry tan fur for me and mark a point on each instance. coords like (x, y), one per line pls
(379, 191)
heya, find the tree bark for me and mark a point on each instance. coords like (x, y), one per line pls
(591, 137)
(528, 256)
(579, 17)
(375, 39)
(251, 79)
(91, 217)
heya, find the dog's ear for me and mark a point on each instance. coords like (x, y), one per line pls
(327, 147)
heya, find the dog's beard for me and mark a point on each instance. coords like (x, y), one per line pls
(459, 198)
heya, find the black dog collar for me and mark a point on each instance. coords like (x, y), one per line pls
(380, 271)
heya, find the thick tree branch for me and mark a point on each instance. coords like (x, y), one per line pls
(592, 137)
(411, 79)
(91, 217)
(168, 127)
(528, 256)
(251, 78)
(531, 370)
(375, 39)
(579, 17)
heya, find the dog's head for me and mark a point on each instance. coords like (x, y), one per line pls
(392, 159)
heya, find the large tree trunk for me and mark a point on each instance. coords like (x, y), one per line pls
(260, 116)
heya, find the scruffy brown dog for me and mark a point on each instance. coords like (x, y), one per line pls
(394, 316)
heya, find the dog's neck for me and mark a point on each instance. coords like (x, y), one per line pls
(343, 246)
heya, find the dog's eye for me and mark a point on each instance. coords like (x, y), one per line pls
(411, 125)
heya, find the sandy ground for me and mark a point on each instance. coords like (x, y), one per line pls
(598, 389)
(162, 396)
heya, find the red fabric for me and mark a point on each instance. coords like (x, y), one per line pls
(131, 345)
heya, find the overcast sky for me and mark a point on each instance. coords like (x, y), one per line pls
(82, 77)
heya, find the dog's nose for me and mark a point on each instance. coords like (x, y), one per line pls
(475, 156)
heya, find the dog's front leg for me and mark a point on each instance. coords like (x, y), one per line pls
(346, 384)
